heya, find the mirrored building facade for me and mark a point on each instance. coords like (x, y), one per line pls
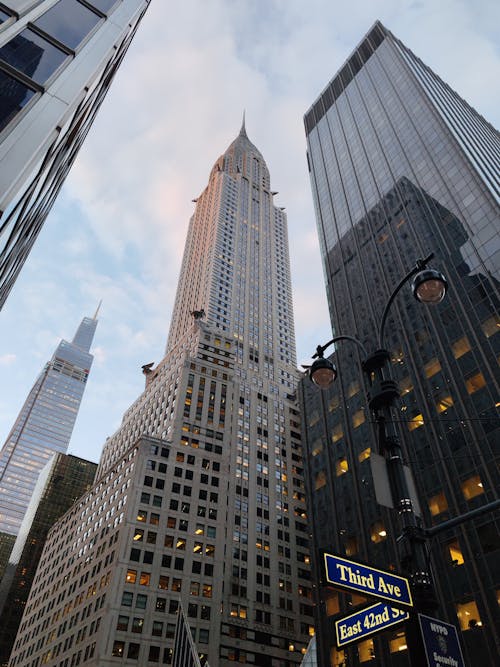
(401, 167)
(60, 483)
(43, 426)
(57, 61)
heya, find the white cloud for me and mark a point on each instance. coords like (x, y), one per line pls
(7, 359)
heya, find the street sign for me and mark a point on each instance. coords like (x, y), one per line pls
(366, 580)
(367, 621)
(441, 643)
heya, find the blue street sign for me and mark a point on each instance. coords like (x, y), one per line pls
(367, 621)
(366, 580)
(441, 643)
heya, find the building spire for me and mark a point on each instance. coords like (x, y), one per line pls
(243, 132)
(97, 310)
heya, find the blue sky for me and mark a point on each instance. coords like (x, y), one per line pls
(118, 229)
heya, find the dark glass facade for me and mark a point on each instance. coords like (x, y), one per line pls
(62, 482)
(402, 167)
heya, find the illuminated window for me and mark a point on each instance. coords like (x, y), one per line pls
(455, 552)
(357, 600)
(118, 649)
(397, 356)
(460, 347)
(378, 532)
(438, 504)
(207, 592)
(415, 422)
(320, 480)
(444, 403)
(144, 579)
(491, 326)
(432, 367)
(131, 576)
(333, 404)
(163, 582)
(337, 658)
(337, 433)
(142, 515)
(405, 386)
(475, 382)
(332, 603)
(365, 454)
(317, 448)
(358, 418)
(138, 535)
(137, 625)
(353, 389)
(351, 546)
(314, 418)
(366, 652)
(468, 615)
(472, 487)
(341, 467)
(180, 544)
(398, 643)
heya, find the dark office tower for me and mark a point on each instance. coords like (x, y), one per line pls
(61, 482)
(57, 61)
(207, 509)
(401, 167)
(44, 426)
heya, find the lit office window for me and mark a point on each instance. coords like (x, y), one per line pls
(438, 504)
(455, 552)
(472, 487)
(468, 615)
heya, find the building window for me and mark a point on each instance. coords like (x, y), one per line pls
(472, 487)
(337, 433)
(351, 546)
(341, 467)
(366, 651)
(131, 576)
(320, 480)
(460, 347)
(468, 615)
(438, 504)
(398, 643)
(415, 422)
(358, 418)
(33, 55)
(378, 532)
(122, 623)
(163, 582)
(144, 579)
(475, 383)
(137, 625)
(365, 454)
(133, 651)
(455, 553)
(432, 367)
(337, 657)
(444, 403)
(491, 326)
(332, 603)
(69, 22)
(118, 649)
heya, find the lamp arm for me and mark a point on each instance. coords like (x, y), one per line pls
(420, 264)
(321, 348)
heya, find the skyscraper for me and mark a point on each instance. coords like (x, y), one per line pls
(199, 495)
(57, 61)
(401, 167)
(44, 425)
(60, 483)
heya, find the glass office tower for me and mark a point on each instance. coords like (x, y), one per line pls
(199, 496)
(60, 483)
(401, 167)
(57, 61)
(44, 425)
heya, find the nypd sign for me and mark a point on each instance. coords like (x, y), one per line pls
(367, 621)
(368, 581)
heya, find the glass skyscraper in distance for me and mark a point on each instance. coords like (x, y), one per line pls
(57, 61)
(400, 167)
(199, 496)
(44, 424)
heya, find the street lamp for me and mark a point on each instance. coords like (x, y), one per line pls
(429, 287)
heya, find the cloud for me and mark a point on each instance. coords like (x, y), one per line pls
(7, 359)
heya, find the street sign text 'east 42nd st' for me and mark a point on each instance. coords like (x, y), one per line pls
(368, 581)
(367, 621)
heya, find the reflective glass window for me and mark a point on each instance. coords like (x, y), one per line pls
(3, 16)
(32, 55)
(103, 5)
(69, 22)
(14, 95)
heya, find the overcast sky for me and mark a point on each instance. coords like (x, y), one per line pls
(118, 229)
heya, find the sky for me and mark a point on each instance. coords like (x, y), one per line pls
(118, 229)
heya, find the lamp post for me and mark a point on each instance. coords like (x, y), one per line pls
(428, 286)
